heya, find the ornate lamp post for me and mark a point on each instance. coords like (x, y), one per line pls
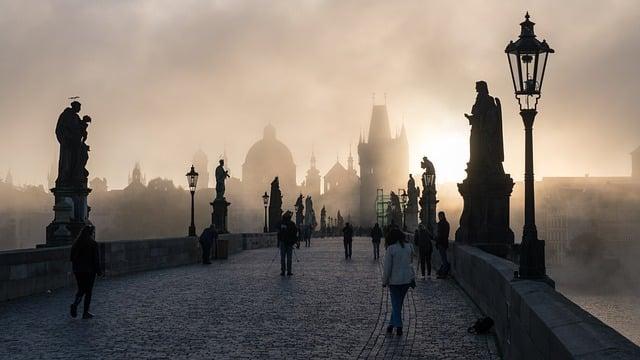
(429, 182)
(404, 198)
(265, 202)
(192, 179)
(527, 62)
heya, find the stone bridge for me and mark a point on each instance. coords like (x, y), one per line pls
(240, 307)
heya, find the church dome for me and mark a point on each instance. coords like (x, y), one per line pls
(265, 160)
(268, 149)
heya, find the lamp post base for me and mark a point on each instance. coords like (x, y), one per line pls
(192, 230)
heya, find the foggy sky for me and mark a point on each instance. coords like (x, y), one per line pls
(163, 78)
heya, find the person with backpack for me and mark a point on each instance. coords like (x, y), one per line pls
(398, 274)
(347, 233)
(287, 238)
(85, 260)
(423, 239)
(376, 237)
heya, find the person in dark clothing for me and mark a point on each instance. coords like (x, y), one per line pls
(207, 239)
(376, 236)
(347, 233)
(442, 244)
(287, 238)
(85, 259)
(423, 237)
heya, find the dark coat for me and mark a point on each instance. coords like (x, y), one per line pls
(376, 234)
(423, 240)
(208, 236)
(85, 257)
(348, 233)
(287, 234)
(443, 234)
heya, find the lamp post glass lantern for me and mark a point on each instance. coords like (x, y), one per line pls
(528, 58)
(265, 202)
(192, 180)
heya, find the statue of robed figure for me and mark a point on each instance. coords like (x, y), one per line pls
(486, 145)
(71, 133)
(486, 190)
(71, 208)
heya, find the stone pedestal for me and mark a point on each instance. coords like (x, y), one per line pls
(71, 215)
(219, 215)
(485, 218)
(411, 218)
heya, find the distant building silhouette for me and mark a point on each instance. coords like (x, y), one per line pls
(98, 185)
(201, 162)
(265, 160)
(137, 181)
(312, 181)
(341, 188)
(384, 162)
(609, 206)
(136, 176)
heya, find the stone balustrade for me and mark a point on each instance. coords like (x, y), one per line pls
(31, 271)
(532, 320)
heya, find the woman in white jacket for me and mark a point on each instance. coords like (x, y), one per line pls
(398, 274)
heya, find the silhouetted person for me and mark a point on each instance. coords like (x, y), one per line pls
(376, 237)
(207, 239)
(287, 238)
(85, 258)
(398, 274)
(423, 238)
(347, 233)
(442, 244)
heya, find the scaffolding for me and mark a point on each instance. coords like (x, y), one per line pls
(382, 203)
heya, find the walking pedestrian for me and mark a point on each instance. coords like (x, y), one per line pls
(423, 237)
(442, 244)
(376, 236)
(85, 259)
(347, 233)
(287, 238)
(207, 239)
(398, 274)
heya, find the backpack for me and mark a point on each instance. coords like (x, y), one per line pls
(481, 326)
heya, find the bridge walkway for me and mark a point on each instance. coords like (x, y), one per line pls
(241, 308)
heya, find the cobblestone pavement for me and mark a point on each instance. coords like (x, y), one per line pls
(241, 308)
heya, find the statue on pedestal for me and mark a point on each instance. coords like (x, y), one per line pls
(71, 191)
(220, 204)
(275, 206)
(411, 209)
(486, 190)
